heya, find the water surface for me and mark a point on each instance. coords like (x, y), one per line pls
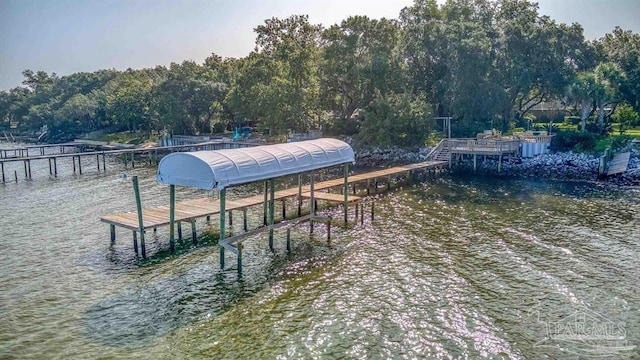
(450, 268)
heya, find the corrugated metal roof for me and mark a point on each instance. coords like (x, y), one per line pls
(223, 168)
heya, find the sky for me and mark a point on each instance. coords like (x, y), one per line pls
(67, 36)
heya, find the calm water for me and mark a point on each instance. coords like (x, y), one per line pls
(451, 268)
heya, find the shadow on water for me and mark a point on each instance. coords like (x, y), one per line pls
(137, 315)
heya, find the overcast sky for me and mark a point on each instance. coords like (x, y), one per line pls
(67, 36)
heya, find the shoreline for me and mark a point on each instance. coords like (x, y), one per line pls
(563, 166)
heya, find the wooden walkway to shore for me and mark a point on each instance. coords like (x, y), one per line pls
(190, 210)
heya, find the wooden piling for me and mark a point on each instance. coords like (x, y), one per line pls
(373, 208)
(245, 225)
(239, 248)
(2, 168)
(312, 211)
(50, 170)
(172, 217)
(55, 167)
(180, 231)
(112, 232)
(135, 242)
(223, 198)
(231, 218)
(136, 190)
(264, 204)
(194, 235)
(288, 240)
(299, 195)
(104, 163)
(346, 191)
(73, 159)
(271, 211)
(98, 161)
(284, 209)
(362, 214)
(79, 165)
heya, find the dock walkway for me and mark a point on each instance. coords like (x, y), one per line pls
(202, 207)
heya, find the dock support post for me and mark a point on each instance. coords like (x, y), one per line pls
(230, 217)
(104, 163)
(222, 197)
(50, 170)
(284, 209)
(79, 165)
(2, 167)
(373, 210)
(208, 218)
(135, 242)
(172, 217)
(389, 183)
(475, 160)
(179, 230)
(346, 192)
(264, 204)
(329, 230)
(15, 174)
(133, 160)
(194, 235)
(26, 175)
(136, 190)
(357, 205)
(239, 248)
(112, 231)
(368, 187)
(299, 195)
(29, 166)
(271, 211)
(98, 162)
(312, 211)
(245, 226)
(361, 214)
(288, 240)
(73, 159)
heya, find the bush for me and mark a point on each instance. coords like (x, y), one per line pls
(571, 120)
(574, 141)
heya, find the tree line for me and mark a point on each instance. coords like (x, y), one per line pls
(483, 62)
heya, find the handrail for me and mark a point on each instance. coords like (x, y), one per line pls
(434, 152)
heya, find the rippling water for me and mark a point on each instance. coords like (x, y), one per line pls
(451, 268)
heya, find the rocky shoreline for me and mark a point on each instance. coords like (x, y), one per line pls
(556, 166)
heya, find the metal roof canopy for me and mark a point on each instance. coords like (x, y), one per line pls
(223, 168)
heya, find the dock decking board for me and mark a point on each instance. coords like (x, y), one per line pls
(619, 163)
(202, 207)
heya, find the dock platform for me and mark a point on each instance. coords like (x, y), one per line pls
(203, 207)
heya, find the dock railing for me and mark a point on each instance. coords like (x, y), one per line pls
(480, 146)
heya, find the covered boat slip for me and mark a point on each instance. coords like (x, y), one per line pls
(226, 168)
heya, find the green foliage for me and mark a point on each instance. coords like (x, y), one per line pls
(626, 117)
(574, 141)
(397, 119)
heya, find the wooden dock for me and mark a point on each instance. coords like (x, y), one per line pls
(619, 163)
(189, 211)
(150, 154)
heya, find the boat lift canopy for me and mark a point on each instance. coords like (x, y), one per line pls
(223, 168)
